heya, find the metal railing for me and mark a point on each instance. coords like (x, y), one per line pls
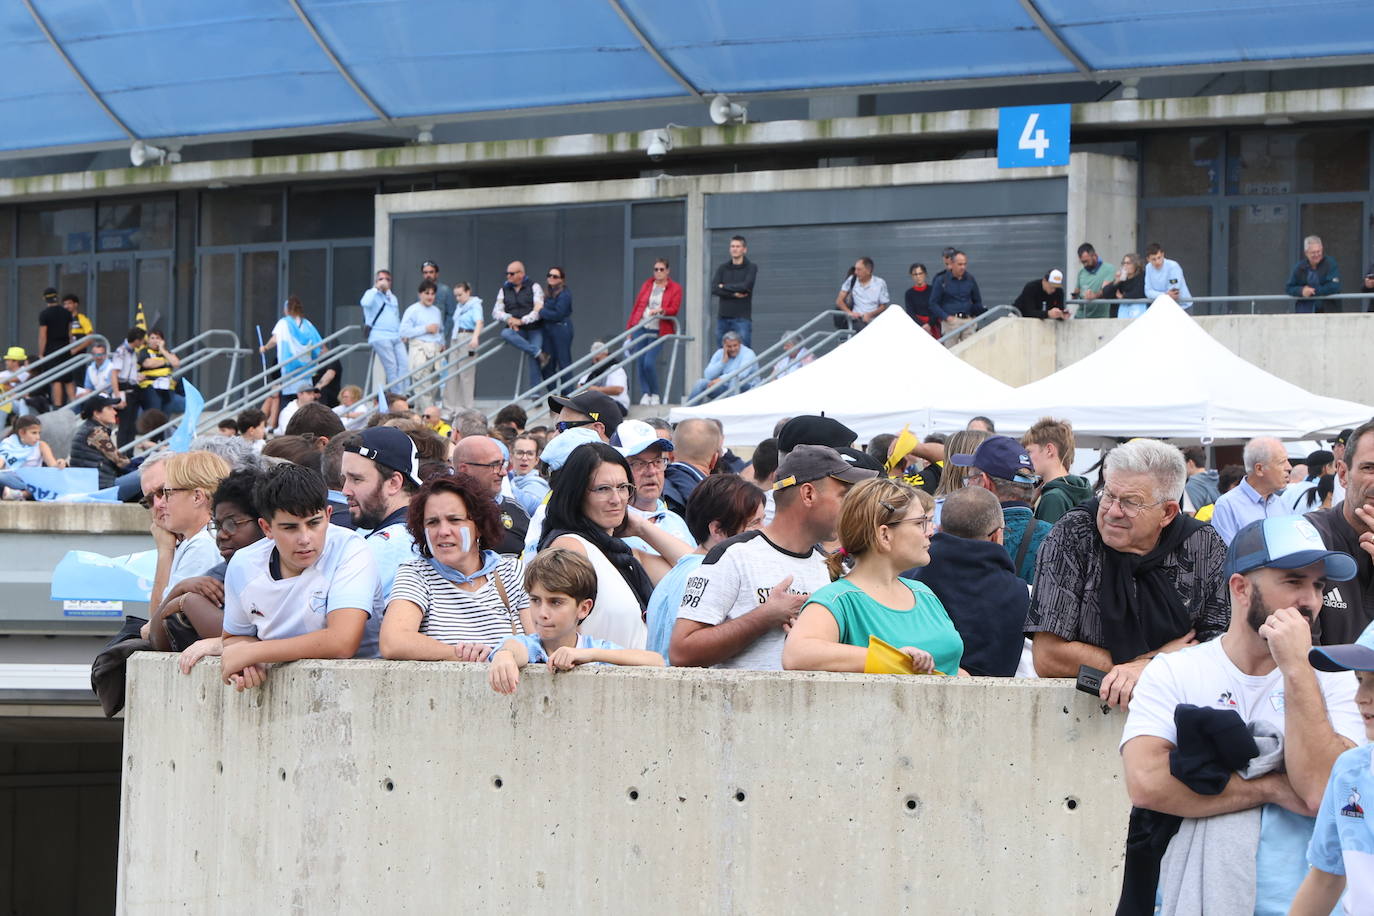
(766, 361)
(623, 347)
(247, 391)
(976, 324)
(429, 379)
(1229, 303)
(56, 372)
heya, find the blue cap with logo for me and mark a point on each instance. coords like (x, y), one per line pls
(1002, 457)
(1288, 542)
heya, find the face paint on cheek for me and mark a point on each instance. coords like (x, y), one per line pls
(464, 539)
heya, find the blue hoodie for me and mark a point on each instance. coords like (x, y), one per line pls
(984, 597)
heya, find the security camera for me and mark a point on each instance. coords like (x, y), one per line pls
(660, 142)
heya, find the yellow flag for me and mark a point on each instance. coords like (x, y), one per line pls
(139, 320)
(905, 442)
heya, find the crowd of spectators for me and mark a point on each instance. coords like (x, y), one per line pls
(311, 529)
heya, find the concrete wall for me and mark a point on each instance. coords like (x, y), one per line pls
(409, 787)
(1326, 354)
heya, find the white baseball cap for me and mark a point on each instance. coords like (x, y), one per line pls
(1056, 277)
(637, 436)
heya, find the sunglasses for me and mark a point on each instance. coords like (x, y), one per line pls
(564, 425)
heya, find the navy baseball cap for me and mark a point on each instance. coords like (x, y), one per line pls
(1288, 542)
(1355, 656)
(1002, 457)
(389, 446)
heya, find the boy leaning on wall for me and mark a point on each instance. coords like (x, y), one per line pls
(562, 589)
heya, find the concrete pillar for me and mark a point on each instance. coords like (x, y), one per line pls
(1103, 206)
(695, 300)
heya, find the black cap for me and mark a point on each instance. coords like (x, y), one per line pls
(96, 402)
(389, 446)
(813, 430)
(424, 264)
(1344, 436)
(594, 404)
(860, 459)
(49, 295)
(949, 252)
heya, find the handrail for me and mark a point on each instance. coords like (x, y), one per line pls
(225, 398)
(1252, 299)
(540, 408)
(56, 372)
(951, 337)
(540, 392)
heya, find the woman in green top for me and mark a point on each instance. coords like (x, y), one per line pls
(885, 528)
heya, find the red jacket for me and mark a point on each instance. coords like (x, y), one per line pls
(672, 301)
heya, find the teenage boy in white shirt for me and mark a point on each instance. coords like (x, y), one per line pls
(309, 589)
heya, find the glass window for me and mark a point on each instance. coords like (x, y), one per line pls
(1186, 236)
(658, 220)
(134, 225)
(350, 276)
(240, 217)
(33, 279)
(1258, 258)
(111, 310)
(1298, 162)
(305, 277)
(215, 302)
(332, 213)
(55, 231)
(155, 292)
(1182, 165)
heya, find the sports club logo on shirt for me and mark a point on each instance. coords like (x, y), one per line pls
(1352, 805)
(254, 612)
(384, 535)
(506, 520)
(319, 599)
(1226, 699)
(1334, 599)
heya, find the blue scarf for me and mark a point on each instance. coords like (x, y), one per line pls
(490, 560)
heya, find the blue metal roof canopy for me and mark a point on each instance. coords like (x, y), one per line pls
(106, 71)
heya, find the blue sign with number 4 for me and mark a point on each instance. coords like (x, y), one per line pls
(1033, 135)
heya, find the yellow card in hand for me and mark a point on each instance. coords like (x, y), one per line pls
(884, 658)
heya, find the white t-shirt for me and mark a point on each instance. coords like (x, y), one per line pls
(736, 577)
(15, 454)
(195, 556)
(258, 603)
(452, 615)
(616, 376)
(391, 547)
(285, 416)
(1205, 676)
(616, 616)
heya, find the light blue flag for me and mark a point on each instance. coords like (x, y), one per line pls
(381, 401)
(86, 576)
(59, 483)
(195, 403)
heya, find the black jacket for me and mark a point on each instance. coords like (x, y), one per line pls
(736, 279)
(984, 597)
(1034, 302)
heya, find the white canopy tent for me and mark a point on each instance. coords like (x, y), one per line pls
(1165, 377)
(891, 374)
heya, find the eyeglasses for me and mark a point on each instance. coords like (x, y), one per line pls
(489, 465)
(626, 490)
(229, 524)
(564, 425)
(553, 276)
(511, 273)
(925, 521)
(659, 270)
(524, 453)
(1129, 507)
(163, 494)
(649, 465)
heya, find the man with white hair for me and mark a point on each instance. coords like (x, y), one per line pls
(1127, 576)
(729, 366)
(1259, 494)
(1314, 278)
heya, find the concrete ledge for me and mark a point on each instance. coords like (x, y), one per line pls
(409, 787)
(74, 518)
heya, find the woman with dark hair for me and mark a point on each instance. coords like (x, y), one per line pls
(558, 327)
(722, 506)
(918, 302)
(659, 298)
(461, 599)
(588, 512)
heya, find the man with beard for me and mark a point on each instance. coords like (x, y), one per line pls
(381, 471)
(1348, 607)
(1258, 669)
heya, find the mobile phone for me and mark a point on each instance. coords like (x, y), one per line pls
(1090, 680)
